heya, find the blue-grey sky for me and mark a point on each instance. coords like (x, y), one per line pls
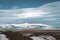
(30, 11)
(8, 4)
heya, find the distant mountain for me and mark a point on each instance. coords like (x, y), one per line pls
(25, 27)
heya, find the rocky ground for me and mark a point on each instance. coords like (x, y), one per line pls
(28, 35)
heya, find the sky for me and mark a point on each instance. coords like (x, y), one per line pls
(30, 11)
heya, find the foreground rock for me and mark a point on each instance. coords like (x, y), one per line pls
(26, 34)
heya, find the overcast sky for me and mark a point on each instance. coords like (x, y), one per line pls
(30, 11)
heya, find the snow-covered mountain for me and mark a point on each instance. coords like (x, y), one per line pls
(25, 26)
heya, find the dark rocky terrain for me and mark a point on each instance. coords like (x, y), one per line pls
(26, 34)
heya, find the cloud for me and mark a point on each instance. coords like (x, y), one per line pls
(22, 13)
(50, 19)
(31, 13)
(53, 8)
(46, 10)
(48, 13)
(54, 13)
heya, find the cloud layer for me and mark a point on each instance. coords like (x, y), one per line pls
(22, 13)
(47, 13)
(54, 9)
(47, 10)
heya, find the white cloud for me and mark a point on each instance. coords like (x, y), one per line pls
(54, 10)
(48, 12)
(31, 14)
(22, 13)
